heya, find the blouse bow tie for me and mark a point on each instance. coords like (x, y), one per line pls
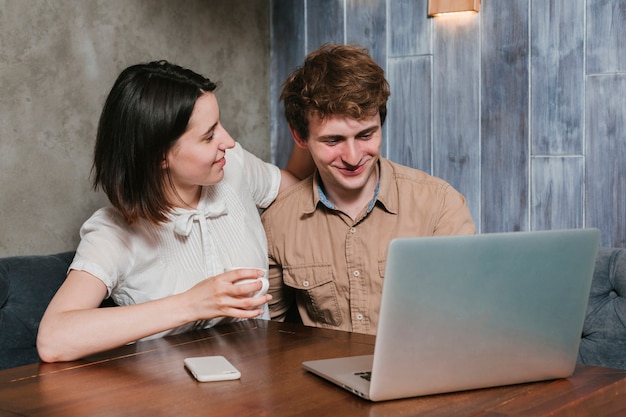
(184, 222)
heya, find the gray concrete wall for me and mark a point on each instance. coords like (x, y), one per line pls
(58, 61)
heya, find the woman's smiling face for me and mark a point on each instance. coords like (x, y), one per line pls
(198, 157)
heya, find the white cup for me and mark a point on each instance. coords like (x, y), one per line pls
(265, 283)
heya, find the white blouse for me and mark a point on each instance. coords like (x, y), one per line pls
(144, 262)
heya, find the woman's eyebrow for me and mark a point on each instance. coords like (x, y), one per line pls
(211, 128)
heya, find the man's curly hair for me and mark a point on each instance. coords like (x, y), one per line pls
(335, 80)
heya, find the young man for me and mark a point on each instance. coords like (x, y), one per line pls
(328, 235)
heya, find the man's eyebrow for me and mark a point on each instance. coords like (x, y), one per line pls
(336, 137)
(342, 137)
(368, 130)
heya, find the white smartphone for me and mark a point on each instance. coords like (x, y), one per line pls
(211, 368)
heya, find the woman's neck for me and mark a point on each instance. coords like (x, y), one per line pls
(186, 198)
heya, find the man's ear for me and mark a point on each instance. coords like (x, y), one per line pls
(301, 143)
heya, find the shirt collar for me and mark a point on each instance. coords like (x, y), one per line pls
(385, 194)
(207, 208)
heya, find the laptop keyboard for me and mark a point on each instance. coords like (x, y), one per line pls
(367, 375)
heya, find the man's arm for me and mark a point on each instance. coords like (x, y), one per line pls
(282, 296)
(455, 218)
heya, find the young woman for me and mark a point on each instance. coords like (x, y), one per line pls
(184, 208)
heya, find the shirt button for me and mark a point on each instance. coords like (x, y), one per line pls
(356, 273)
(305, 283)
(359, 316)
(352, 230)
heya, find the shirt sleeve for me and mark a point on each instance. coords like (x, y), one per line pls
(103, 252)
(262, 178)
(455, 217)
(282, 295)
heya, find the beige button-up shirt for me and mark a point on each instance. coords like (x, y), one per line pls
(332, 267)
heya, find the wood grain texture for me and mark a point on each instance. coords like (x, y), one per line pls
(410, 29)
(325, 22)
(409, 112)
(148, 379)
(557, 74)
(366, 25)
(606, 156)
(557, 192)
(606, 36)
(286, 53)
(504, 117)
(456, 104)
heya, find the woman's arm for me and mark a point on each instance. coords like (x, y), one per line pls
(74, 327)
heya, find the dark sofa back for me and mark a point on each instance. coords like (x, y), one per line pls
(604, 333)
(27, 284)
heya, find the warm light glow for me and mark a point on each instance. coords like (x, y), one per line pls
(440, 7)
(452, 13)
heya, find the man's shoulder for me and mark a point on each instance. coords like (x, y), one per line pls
(408, 174)
(292, 198)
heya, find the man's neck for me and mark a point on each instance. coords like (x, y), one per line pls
(352, 202)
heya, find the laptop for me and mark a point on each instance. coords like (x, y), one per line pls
(466, 312)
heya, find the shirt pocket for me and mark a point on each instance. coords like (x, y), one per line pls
(316, 290)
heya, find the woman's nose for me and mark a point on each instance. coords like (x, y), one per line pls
(227, 141)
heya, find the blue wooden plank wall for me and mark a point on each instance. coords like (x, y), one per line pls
(504, 117)
(521, 107)
(456, 106)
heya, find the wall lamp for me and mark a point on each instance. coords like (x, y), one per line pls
(440, 7)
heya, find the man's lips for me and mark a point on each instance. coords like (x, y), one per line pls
(352, 171)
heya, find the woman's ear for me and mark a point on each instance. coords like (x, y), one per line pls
(301, 143)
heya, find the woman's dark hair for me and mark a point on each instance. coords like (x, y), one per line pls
(145, 113)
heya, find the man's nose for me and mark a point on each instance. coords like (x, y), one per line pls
(351, 152)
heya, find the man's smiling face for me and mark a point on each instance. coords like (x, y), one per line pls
(346, 153)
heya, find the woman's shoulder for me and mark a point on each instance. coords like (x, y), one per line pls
(105, 217)
(246, 172)
(238, 157)
(107, 227)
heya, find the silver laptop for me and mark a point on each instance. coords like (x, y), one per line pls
(466, 312)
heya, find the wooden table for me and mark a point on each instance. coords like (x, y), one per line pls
(148, 379)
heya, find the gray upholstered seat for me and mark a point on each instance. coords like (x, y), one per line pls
(27, 284)
(604, 334)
